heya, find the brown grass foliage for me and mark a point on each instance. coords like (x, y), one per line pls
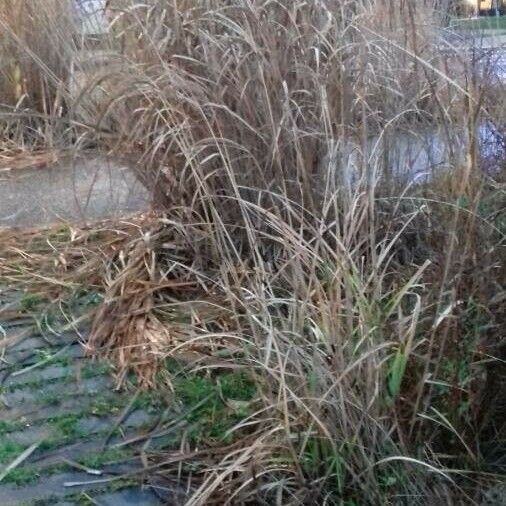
(269, 129)
(38, 43)
(277, 89)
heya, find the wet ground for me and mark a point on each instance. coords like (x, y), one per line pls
(72, 190)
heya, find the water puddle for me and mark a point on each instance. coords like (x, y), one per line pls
(499, 64)
(416, 156)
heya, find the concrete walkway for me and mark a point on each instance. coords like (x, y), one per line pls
(70, 191)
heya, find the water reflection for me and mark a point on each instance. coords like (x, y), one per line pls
(414, 156)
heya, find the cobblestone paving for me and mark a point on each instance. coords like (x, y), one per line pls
(61, 417)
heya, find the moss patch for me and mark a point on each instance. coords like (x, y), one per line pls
(9, 450)
(22, 475)
(214, 403)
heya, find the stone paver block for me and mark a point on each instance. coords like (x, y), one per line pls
(40, 375)
(127, 497)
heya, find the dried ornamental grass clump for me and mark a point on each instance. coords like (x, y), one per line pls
(36, 43)
(274, 94)
(358, 309)
(365, 315)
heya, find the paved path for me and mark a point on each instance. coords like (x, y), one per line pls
(71, 190)
(62, 405)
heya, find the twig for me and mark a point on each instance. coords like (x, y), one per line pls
(71, 463)
(41, 363)
(121, 418)
(173, 424)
